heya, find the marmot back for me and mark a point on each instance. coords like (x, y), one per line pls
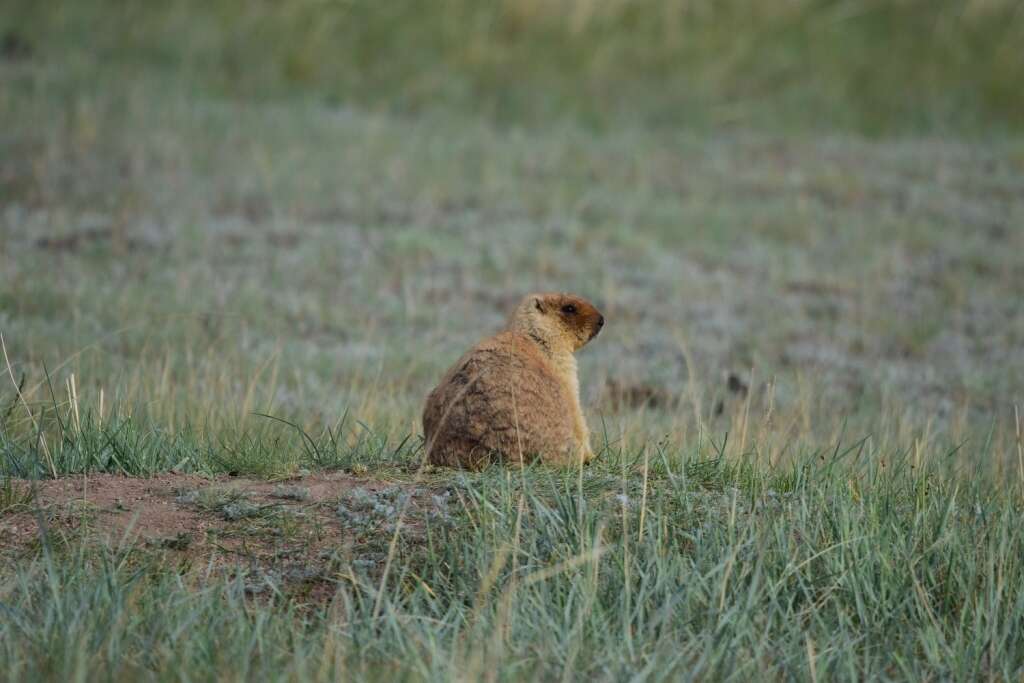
(515, 396)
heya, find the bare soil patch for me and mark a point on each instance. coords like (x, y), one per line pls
(303, 531)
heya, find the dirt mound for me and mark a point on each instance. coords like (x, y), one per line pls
(306, 530)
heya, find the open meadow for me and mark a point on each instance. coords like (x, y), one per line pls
(238, 248)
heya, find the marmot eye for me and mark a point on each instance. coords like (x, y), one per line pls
(569, 309)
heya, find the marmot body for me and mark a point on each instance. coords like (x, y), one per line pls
(515, 396)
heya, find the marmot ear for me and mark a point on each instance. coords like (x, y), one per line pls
(537, 303)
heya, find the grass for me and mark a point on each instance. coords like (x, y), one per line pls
(247, 241)
(12, 498)
(827, 570)
(878, 67)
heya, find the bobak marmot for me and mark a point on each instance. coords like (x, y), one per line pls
(516, 396)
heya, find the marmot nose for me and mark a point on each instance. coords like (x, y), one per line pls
(600, 321)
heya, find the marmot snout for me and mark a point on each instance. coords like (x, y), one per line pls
(515, 396)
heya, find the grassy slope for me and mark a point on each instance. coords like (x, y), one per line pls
(193, 257)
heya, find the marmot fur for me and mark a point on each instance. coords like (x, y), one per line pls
(516, 396)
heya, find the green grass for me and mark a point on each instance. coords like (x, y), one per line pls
(249, 239)
(834, 569)
(877, 66)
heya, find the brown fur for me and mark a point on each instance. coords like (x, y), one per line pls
(515, 396)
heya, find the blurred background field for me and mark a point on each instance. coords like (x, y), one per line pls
(874, 66)
(801, 217)
(803, 220)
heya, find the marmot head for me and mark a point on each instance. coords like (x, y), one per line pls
(556, 321)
